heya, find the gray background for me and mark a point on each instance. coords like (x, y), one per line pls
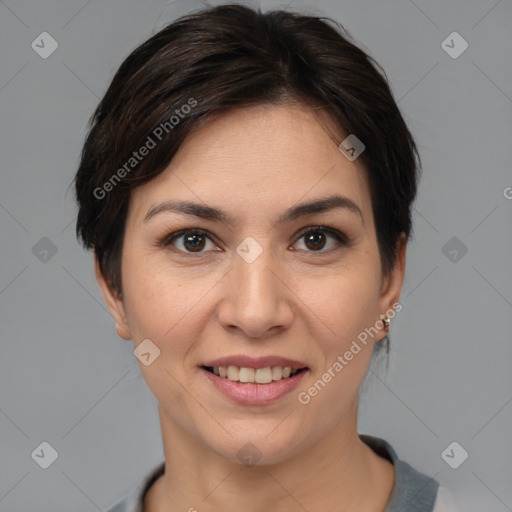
(67, 379)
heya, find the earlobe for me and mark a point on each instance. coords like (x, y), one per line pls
(114, 303)
(392, 283)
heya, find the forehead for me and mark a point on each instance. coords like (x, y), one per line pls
(259, 159)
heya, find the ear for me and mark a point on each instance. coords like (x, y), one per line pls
(391, 285)
(113, 302)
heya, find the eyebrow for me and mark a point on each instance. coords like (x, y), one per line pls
(202, 211)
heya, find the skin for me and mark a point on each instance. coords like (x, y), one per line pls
(292, 301)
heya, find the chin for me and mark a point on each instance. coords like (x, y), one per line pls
(260, 445)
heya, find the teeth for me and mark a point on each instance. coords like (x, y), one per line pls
(277, 373)
(233, 373)
(259, 375)
(263, 375)
(246, 375)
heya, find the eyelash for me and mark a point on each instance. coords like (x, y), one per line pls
(340, 238)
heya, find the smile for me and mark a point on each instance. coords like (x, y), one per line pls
(246, 390)
(264, 375)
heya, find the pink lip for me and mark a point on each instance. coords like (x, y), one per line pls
(254, 394)
(259, 362)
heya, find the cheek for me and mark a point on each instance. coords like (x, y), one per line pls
(344, 310)
(341, 304)
(162, 307)
(157, 301)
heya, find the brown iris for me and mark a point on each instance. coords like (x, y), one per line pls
(315, 240)
(194, 242)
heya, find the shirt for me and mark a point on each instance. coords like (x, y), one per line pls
(412, 492)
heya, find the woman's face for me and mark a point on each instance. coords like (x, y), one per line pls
(267, 278)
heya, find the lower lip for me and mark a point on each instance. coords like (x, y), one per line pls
(254, 394)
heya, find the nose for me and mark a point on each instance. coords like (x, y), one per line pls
(256, 298)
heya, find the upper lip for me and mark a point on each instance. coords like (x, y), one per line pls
(255, 362)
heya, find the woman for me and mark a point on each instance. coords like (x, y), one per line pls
(246, 186)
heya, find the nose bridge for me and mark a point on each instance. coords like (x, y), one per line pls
(256, 277)
(255, 282)
(256, 300)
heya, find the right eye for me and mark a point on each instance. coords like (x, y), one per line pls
(189, 240)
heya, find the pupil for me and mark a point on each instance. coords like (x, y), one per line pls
(195, 242)
(317, 240)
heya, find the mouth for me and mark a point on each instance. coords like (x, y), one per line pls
(249, 375)
(254, 381)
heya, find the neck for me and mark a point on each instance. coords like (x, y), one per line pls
(334, 474)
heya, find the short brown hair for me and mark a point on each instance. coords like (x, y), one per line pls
(224, 58)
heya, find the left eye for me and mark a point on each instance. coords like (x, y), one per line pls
(317, 239)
